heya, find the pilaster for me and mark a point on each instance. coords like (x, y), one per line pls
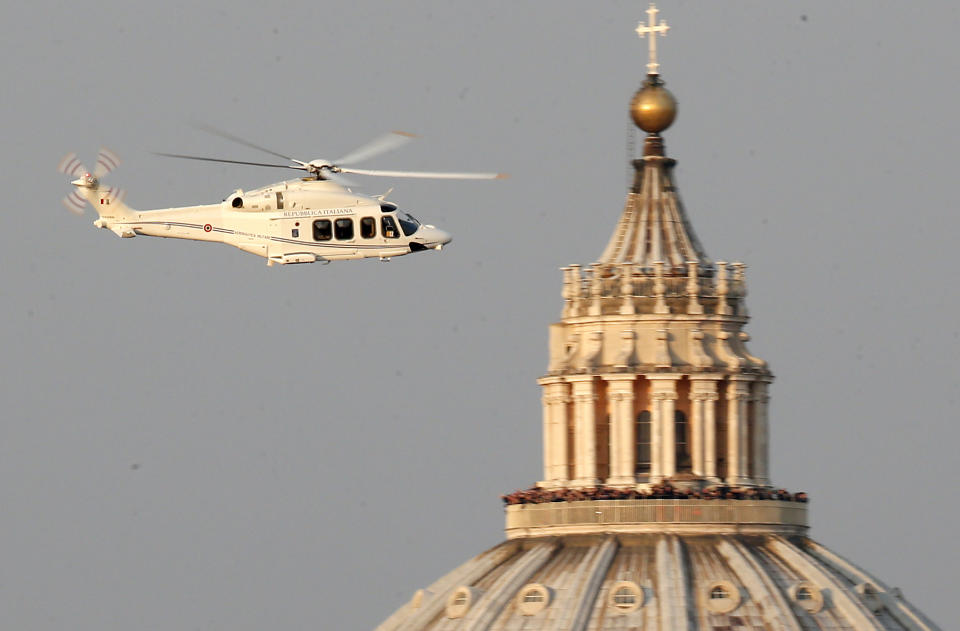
(703, 422)
(556, 399)
(738, 396)
(622, 430)
(585, 431)
(663, 396)
(761, 433)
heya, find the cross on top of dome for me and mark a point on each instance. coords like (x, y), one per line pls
(653, 29)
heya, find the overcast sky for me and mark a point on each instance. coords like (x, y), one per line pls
(193, 440)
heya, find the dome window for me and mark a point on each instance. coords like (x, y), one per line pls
(461, 600)
(722, 597)
(626, 596)
(807, 596)
(533, 599)
(870, 595)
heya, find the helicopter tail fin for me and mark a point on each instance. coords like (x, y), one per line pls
(108, 201)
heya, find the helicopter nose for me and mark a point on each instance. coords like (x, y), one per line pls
(435, 238)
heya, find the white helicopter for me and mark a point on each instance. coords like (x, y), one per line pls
(316, 218)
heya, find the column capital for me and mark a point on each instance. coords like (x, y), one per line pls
(620, 396)
(555, 398)
(705, 396)
(663, 396)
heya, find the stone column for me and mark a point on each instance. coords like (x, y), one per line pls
(761, 435)
(555, 431)
(663, 395)
(659, 289)
(585, 431)
(703, 426)
(576, 292)
(596, 290)
(723, 289)
(622, 431)
(693, 289)
(738, 395)
(626, 289)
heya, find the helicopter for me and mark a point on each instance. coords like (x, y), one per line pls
(311, 219)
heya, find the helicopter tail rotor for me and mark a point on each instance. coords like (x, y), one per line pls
(75, 203)
(71, 165)
(107, 161)
(87, 185)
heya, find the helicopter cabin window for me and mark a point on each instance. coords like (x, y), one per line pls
(279, 200)
(343, 229)
(409, 223)
(389, 227)
(322, 230)
(368, 227)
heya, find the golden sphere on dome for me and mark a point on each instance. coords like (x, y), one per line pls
(653, 107)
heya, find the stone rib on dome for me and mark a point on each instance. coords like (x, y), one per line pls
(654, 226)
(660, 582)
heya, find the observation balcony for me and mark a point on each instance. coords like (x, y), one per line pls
(665, 516)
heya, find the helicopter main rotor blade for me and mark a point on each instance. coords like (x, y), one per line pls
(428, 174)
(255, 164)
(227, 135)
(345, 182)
(383, 144)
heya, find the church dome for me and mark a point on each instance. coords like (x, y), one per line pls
(656, 509)
(658, 581)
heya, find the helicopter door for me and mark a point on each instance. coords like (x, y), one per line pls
(286, 235)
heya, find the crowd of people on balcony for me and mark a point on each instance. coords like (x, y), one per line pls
(661, 491)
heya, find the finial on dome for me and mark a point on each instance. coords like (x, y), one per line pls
(653, 29)
(653, 107)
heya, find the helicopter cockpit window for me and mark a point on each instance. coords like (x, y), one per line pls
(387, 207)
(343, 229)
(409, 223)
(368, 227)
(322, 230)
(389, 227)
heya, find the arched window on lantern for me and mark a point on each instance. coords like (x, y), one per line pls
(643, 434)
(682, 437)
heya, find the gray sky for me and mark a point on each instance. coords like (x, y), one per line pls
(192, 440)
